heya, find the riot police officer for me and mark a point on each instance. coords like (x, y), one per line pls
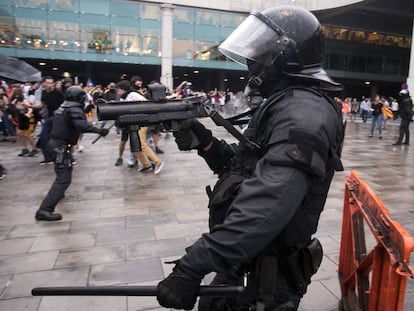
(405, 111)
(265, 207)
(69, 122)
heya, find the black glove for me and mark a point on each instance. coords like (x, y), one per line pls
(192, 135)
(179, 290)
(103, 132)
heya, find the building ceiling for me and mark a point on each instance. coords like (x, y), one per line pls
(386, 16)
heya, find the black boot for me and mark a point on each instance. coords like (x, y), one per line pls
(46, 215)
(23, 153)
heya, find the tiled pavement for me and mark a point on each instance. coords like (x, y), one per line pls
(120, 225)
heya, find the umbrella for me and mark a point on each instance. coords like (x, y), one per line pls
(16, 69)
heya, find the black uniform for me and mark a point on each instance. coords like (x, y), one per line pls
(278, 200)
(405, 113)
(69, 122)
(272, 188)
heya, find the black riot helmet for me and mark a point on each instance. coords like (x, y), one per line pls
(278, 42)
(75, 94)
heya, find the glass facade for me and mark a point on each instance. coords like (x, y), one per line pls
(111, 27)
(130, 31)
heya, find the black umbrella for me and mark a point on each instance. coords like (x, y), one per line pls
(16, 69)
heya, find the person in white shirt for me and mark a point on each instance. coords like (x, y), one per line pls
(147, 154)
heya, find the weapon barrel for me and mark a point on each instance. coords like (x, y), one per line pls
(206, 291)
(113, 110)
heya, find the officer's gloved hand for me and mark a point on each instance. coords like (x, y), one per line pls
(192, 135)
(179, 290)
(103, 132)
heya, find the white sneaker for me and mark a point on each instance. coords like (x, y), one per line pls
(158, 168)
(80, 148)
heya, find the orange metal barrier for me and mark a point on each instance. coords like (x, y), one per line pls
(375, 279)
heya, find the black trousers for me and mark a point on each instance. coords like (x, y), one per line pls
(62, 181)
(404, 131)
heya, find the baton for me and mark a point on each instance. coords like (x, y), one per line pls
(205, 291)
(99, 137)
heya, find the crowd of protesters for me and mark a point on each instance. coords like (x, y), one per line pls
(26, 107)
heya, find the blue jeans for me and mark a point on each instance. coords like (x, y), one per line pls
(44, 138)
(7, 125)
(376, 120)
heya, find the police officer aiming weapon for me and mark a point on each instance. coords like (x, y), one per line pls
(171, 113)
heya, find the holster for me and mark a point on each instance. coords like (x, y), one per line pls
(61, 156)
(60, 153)
(299, 266)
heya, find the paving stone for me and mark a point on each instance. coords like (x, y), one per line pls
(180, 230)
(158, 248)
(20, 304)
(126, 272)
(77, 303)
(63, 241)
(90, 256)
(29, 262)
(36, 229)
(97, 225)
(15, 246)
(22, 284)
(124, 236)
(4, 282)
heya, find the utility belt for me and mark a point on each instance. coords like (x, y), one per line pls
(61, 152)
(297, 266)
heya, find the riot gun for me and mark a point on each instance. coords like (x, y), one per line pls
(132, 115)
(205, 291)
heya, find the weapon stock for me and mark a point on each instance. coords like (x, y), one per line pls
(205, 291)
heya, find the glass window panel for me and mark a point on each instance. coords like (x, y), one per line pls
(62, 40)
(150, 46)
(374, 64)
(38, 4)
(183, 48)
(207, 17)
(31, 38)
(124, 8)
(89, 22)
(150, 24)
(95, 6)
(124, 22)
(30, 14)
(338, 62)
(6, 11)
(150, 11)
(8, 29)
(64, 5)
(360, 36)
(203, 50)
(96, 42)
(8, 2)
(186, 16)
(64, 21)
(232, 19)
(357, 63)
(392, 66)
(127, 44)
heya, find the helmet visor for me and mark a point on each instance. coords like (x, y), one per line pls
(256, 40)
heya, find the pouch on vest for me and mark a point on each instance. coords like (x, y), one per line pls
(225, 191)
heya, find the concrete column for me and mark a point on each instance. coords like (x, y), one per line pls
(410, 79)
(166, 44)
